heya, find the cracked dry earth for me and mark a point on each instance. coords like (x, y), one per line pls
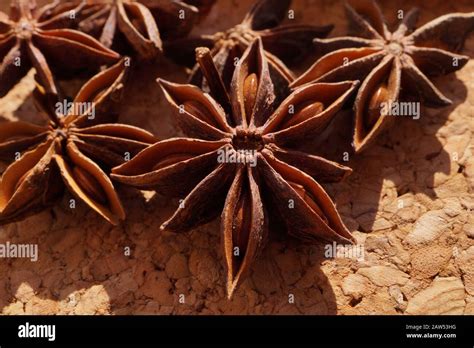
(409, 202)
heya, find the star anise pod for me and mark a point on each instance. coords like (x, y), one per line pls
(140, 25)
(27, 41)
(76, 146)
(389, 63)
(286, 42)
(238, 162)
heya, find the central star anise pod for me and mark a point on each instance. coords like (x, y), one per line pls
(139, 24)
(390, 62)
(28, 41)
(286, 42)
(77, 147)
(238, 162)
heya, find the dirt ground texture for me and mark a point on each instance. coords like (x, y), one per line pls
(409, 203)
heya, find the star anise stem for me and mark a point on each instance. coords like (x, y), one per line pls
(212, 76)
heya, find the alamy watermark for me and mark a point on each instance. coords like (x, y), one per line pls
(76, 108)
(229, 155)
(28, 330)
(23, 251)
(410, 109)
(346, 251)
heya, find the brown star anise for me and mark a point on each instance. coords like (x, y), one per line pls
(390, 62)
(28, 41)
(76, 146)
(238, 162)
(286, 42)
(139, 25)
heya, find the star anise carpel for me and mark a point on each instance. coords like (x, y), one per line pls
(391, 65)
(283, 42)
(75, 149)
(27, 40)
(237, 159)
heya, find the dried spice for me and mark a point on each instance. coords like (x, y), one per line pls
(390, 62)
(286, 42)
(135, 27)
(76, 145)
(239, 162)
(26, 40)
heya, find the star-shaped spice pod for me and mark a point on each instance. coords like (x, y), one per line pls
(286, 42)
(134, 27)
(238, 162)
(28, 41)
(390, 62)
(78, 147)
